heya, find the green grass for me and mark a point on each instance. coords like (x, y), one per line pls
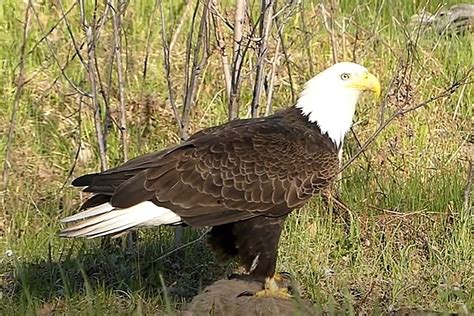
(406, 241)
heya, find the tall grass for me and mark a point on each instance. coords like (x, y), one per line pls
(404, 241)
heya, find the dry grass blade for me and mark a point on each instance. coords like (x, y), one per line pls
(468, 189)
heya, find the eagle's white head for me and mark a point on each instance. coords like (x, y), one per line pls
(329, 99)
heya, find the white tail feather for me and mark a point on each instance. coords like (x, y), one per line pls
(96, 210)
(104, 219)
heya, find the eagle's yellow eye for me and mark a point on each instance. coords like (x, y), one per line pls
(345, 76)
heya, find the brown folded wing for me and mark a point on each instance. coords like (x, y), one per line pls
(235, 172)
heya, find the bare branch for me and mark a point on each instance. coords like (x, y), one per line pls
(332, 19)
(199, 61)
(92, 73)
(271, 81)
(287, 63)
(266, 11)
(167, 65)
(98, 23)
(117, 25)
(237, 58)
(291, 7)
(222, 48)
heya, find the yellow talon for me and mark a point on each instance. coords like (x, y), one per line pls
(272, 290)
(277, 277)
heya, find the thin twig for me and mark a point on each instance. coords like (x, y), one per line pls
(102, 90)
(117, 25)
(71, 35)
(291, 7)
(287, 63)
(53, 54)
(271, 81)
(54, 27)
(92, 73)
(237, 59)
(201, 237)
(167, 65)
(266, 13)
(151, 27)
(179, 27)
(332, 22)
(20, 81)
(200, 57)
(218, 33)
(79, 145)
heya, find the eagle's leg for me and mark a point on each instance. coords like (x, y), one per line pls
(255, 243)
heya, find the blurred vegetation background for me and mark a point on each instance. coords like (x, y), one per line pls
(87, 84)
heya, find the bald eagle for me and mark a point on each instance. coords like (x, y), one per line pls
(241, 178)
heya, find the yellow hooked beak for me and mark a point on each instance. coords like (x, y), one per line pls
(366, 82)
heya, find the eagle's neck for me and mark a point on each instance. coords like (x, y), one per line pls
(331, 110)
